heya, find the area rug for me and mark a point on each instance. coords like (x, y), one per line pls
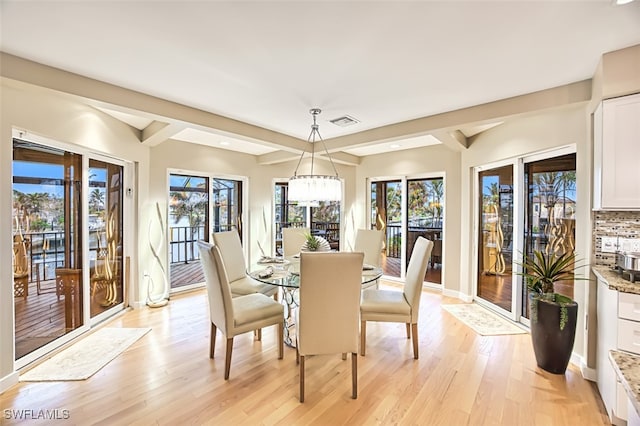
(83, 359)
(481, 320)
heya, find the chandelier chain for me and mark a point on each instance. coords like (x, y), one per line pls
(313, 188)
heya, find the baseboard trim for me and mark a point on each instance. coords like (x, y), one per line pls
(588, 373)
(456, 294)
(137, 305)
(8, 381)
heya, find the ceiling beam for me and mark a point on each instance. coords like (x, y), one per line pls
(450, 122)
(157, 132)
(284, 156)
(23, 70)
(445, 126)
(277, 157)
(341, 158)
(454, 139)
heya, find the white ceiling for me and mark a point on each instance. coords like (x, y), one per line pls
(267, 63)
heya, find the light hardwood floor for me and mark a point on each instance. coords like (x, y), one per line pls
(461, 378)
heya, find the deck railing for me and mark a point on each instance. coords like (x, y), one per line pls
(45, 251)
(394, 240)
(183, 247)
(394, 237)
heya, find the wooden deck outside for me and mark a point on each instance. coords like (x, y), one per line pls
(391, 268)
(40, 318)
(181, 274)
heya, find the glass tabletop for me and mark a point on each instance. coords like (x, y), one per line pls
(286, 272)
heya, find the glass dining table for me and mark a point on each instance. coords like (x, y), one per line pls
(285, 273)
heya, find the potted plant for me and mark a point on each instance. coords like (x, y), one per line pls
(553, 316)
(315, 243)
(311, 242)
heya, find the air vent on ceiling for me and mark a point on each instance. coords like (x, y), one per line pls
(344, 121)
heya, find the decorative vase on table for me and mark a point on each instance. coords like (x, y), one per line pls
(315, 243)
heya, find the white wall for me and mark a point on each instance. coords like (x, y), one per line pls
(59, 118)
(517, 138)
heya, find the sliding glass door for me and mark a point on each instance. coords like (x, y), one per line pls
(227, 205)
(188, 222)
(495, 248)
(525, 205)
(425, 213)
(106, 266)
(405, 209)
(47, 244)
(386, 214)
(198, 206)
(550, 211)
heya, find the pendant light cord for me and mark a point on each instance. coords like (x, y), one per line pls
(312, 138)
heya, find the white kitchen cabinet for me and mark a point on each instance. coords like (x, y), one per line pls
(618, 347)
(607, 311)
(616, 154)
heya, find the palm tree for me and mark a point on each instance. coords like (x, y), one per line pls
(96, 201)
(393, 202)
(436, 190)
(417, 202)
(28, 207)
(552, 187)
(190, 205)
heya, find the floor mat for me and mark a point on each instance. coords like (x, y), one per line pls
(481, 320)
(86, 357)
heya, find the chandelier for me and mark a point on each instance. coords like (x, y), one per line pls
(308, 189)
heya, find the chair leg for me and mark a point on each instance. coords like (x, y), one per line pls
(301, 378)
(344, 356)
(212, 340)
(408, 330)
(414, 334)
(227, 359)
(354, 375)
(257, 334)
(363, 336)
(280, 340)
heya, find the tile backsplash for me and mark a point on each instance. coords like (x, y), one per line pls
(613, 224)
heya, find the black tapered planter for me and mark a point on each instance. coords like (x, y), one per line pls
(551, 344)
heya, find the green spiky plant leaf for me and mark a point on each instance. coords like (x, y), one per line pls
(312, 242)
(542, 271)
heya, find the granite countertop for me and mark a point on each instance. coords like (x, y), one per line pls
(615, 280)
(627, 366)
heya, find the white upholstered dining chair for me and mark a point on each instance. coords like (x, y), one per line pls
(235, 315)
(327, 320)
(370, 242)
(292, 240)
(235, 266)
(398, 306)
